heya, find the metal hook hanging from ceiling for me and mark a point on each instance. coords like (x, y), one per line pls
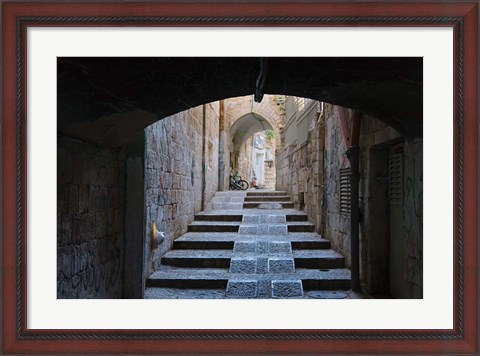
(262, 76)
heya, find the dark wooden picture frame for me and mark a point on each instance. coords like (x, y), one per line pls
(462, 16)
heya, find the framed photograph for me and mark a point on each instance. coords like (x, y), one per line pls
(62, 64)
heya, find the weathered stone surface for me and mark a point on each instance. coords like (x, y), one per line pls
(264, 288)
(270, 206)
(250, 219)
(280, 247)
(281, 265)
(235, 206)
(241, 289)
(262, 229)
(244, 246)
(328, 294)
(243, 265)
(247, 230)
(262, 265)
(173, 174)
(262, 247)
(277, 230)
(90, 221)
(287, 289)
(281, 219)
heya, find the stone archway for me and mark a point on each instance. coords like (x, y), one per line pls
(106, 101)
(244, 118)
(267, 111)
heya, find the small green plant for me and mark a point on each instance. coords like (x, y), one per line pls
(270, 134)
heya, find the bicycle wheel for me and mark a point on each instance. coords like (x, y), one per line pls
(243, 184)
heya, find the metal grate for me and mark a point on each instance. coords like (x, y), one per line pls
(345, 191)
(395, 186)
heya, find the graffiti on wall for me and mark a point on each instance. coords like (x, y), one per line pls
(91, 279)
(413, 201)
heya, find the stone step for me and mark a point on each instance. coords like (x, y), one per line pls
(226, 206)
(318, 259)
(242, 212)
(231, 193)
(235, 216)
(198, 258)
(268, 205)
(225, 241)
(297, 217)
(240, 217)
(251, 228)
(308, 259)
(266, 193)
(251, 244)
(267, 198)
(218, 217)
(213, 226)
(228, 245)
(203, 245)
(252, 288)
(333, 279)
(188, 277)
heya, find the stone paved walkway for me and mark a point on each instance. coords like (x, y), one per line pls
(251, 245)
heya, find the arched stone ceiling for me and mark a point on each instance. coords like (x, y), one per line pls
(108, 100)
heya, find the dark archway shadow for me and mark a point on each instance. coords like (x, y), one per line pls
(106, 101)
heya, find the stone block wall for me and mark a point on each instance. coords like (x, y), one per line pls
(174, 180)
(269, 169)
(413, 217)
(337, 224)
(299, 171)
(310, 173)
(245, 159)
(212, 115)
(90, 220)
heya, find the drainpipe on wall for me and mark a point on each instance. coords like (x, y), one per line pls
(204, 168)
(353, 157)
(221, 145)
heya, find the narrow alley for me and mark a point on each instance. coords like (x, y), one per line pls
(207, 178)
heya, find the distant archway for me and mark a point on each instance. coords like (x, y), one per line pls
(246, 126)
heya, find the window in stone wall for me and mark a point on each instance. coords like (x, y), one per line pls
(268, 154)
(395, 187)
(345, 191)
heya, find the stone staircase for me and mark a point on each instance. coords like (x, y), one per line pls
(249, 245)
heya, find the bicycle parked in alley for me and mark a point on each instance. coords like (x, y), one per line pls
(237, 183)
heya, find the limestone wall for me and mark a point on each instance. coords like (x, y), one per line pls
(270, 174)
(90, 215)
(174, 174)
(244, 163)
(310, 172)
(211, 150)
(299, 170)
(337, 224)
